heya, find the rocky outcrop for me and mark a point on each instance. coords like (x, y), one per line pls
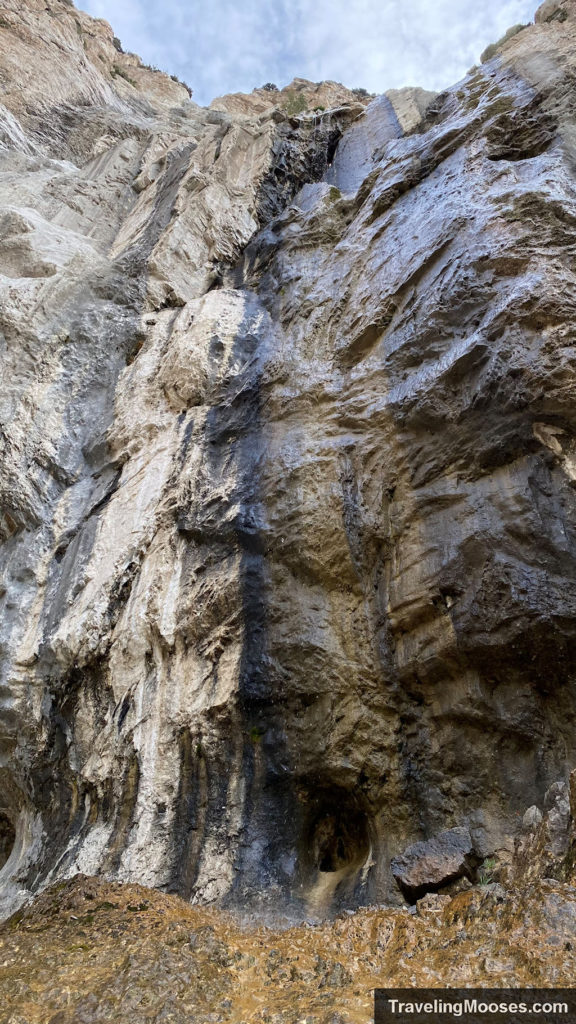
(300, 96)
(410, 105)
(287, 471)
(547, 846)
(296, 98)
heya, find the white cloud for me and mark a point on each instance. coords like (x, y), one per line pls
(222, 46)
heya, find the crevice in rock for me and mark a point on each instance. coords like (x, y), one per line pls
(7, 838)
(189, 813)
(300, 155)
(520, 134)
(124, 803)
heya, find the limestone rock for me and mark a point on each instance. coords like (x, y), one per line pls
(287, 465)
(553, 10)
(297, 97)
(55, 57)
(431, 906)
(410, 105)
(428, 865)
(549, 848)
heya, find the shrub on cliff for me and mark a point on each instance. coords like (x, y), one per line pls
(295, 103)
(117, 72)
(491, 50)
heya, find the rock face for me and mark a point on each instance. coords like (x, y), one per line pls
(287, 470)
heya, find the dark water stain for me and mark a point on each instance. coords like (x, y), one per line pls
(250, 736)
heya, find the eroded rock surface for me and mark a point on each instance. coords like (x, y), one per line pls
(426, 866)
(93, 951)
(287, 470)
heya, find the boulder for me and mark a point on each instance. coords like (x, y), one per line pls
(426, 866)
(532, 818)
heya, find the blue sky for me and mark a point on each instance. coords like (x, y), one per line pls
(220, 46)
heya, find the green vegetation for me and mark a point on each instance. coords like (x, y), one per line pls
(117, 72)
(256, 733)
(270, 87)
(147, 67)
(491, 50)
(295, 103)
(4, 23)
(486, 872)
(117, 44)
(319, 110)
(180, 82)
(334, 194)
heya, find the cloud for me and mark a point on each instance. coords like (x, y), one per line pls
(220, 46)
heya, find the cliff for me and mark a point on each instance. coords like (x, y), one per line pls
(287, 471)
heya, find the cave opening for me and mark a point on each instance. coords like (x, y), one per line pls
(7, 838)
(336, 833)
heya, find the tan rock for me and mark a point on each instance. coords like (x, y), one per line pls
(410, 105)
(300, 96)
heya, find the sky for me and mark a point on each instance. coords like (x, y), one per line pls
(220, 46)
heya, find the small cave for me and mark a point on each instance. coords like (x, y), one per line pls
(336, 835)
(7, 838)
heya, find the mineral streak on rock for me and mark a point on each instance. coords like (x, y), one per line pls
(287, 469)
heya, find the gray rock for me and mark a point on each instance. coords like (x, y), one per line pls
(426, 866)
(531, 819)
